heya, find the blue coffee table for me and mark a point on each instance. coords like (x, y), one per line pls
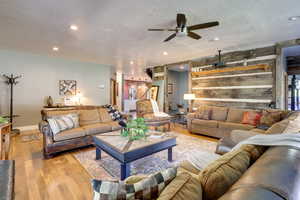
(125, 151)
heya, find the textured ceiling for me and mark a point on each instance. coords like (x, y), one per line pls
(115, 31)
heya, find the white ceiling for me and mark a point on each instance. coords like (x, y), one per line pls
(115, 31)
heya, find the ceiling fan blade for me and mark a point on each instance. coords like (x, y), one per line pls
(160, 29)
(170, 37)
(181, 20)
(202, 26)
(194, 35)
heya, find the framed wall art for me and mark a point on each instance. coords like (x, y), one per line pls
(67, 87)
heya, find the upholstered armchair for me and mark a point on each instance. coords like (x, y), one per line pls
(144, 109)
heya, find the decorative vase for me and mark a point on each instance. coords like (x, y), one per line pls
(49, 101)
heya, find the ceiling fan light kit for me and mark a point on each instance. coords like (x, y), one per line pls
(183, 30)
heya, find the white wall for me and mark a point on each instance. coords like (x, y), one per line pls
(41, 75)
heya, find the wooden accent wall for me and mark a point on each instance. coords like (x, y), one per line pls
(158, 73)
(247, 80)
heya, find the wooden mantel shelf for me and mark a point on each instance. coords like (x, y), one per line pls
(232, 69)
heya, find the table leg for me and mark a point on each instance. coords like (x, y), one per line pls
(7, 144)
(1, 145)
(170, 154)
(98, 153)
(125, 170)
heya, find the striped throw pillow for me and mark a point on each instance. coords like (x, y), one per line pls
(146, 189)
(63, 122)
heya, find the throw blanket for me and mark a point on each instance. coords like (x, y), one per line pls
(288, 139)
(156, 110)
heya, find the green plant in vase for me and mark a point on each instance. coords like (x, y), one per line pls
(135, 129)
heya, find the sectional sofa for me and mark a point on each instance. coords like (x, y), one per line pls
(223, 120)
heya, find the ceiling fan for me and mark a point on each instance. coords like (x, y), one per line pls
(183, 30)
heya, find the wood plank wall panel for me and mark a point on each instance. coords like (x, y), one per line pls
(244, 89)
(159, 70)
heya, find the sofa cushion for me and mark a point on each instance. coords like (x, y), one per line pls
(251, 118)
(235, 126)
(89, 117)
(183, 186)
(104, 115)
(220, 175)
(204, 112)
(278, 127)
(235, 115)
(270, 117)
(257, 130)
(52, 113)
(206, 123)
(69, 134)
(114, 125)
(219, 113)
(147, 189)
(188, 167)
(93, 129)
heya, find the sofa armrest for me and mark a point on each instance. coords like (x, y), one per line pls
(45, 129)
(191, 116)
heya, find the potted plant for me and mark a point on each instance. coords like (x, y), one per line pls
(135, 129)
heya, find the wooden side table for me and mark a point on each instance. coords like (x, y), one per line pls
(5, 130)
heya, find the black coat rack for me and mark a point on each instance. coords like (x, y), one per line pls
(11, 81)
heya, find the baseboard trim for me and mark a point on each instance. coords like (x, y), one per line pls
(27, 128)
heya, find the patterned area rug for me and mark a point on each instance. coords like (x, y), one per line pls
(109, 169)
(29, 138)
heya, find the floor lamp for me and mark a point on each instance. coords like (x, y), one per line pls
(190, 98)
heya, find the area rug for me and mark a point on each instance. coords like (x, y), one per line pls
(30, 138)
(109, 169)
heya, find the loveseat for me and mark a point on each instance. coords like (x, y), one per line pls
(93, 120)
(220, 121)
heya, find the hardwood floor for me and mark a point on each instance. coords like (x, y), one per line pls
(61, 177)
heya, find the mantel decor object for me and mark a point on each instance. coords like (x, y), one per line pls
(135, 129)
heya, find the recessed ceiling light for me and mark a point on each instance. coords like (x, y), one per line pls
(216, 39)
(55, 48)
(74, 27)
(165, 53)
(294, 18)
(131, 62)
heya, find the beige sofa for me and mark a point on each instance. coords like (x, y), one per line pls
(93, 120)
(223, 121)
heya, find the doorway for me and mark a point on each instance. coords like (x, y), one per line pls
(291, 62)
(178, 80)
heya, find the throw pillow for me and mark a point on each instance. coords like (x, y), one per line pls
(63, 122)
(220, 175)
(270, 117)
(104, 115)
(251, 118)
(146, 189)
(184, 186)
(204, 112)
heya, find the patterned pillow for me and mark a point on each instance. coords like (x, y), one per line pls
(63, 122)
(251, 117)
(146, 189)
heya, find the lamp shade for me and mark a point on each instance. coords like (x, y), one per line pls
(189, 96)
